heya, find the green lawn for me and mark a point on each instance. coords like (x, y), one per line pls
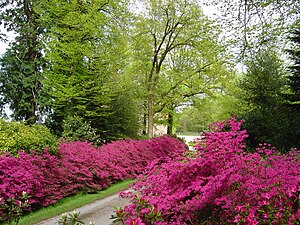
(70, 203)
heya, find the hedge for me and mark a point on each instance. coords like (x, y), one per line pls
(78, 166)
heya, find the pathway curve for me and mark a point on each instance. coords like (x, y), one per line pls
(98, 211)
(188, 139)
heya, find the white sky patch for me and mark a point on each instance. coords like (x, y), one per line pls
(210, 11)
(3, 46)
(10, 37)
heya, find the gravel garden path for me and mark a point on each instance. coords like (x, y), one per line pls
(98, 211)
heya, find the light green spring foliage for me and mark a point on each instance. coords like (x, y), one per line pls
(77, 71)
(205, 111)
(15, 136)
(102, 61)
(218, 105)
(86, 53)
(177, 54)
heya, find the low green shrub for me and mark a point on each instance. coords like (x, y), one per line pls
(16, 136)
(77, 129)
(13, 208)
(71, 219)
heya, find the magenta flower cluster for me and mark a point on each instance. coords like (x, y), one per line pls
(78, 166)
(221, 183)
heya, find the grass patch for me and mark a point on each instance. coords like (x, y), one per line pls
(192, 143)
(71, 203)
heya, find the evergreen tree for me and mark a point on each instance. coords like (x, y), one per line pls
(294, 78)
(268, 119)
(263, 82)
(21, 65)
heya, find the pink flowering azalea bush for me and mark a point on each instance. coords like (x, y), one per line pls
(78, 166)
(220, 184)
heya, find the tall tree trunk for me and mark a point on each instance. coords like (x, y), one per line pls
(170, 123)
(150, 114)
(30, 57)
(145, 124)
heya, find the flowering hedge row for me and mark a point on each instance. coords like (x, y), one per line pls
(220, 184)
(78, 166)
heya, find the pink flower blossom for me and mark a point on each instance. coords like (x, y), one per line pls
(134, 221)
(222, 183)
(78, 166)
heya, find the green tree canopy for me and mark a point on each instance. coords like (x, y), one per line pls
(179, 53)
(268, 120)
(85, 53)
(264, 80)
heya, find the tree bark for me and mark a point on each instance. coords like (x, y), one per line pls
(170, 123)
(30, 57)
(150, 114)
(145, 124)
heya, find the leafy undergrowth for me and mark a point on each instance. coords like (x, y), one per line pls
(221, 184)
(78, 166)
